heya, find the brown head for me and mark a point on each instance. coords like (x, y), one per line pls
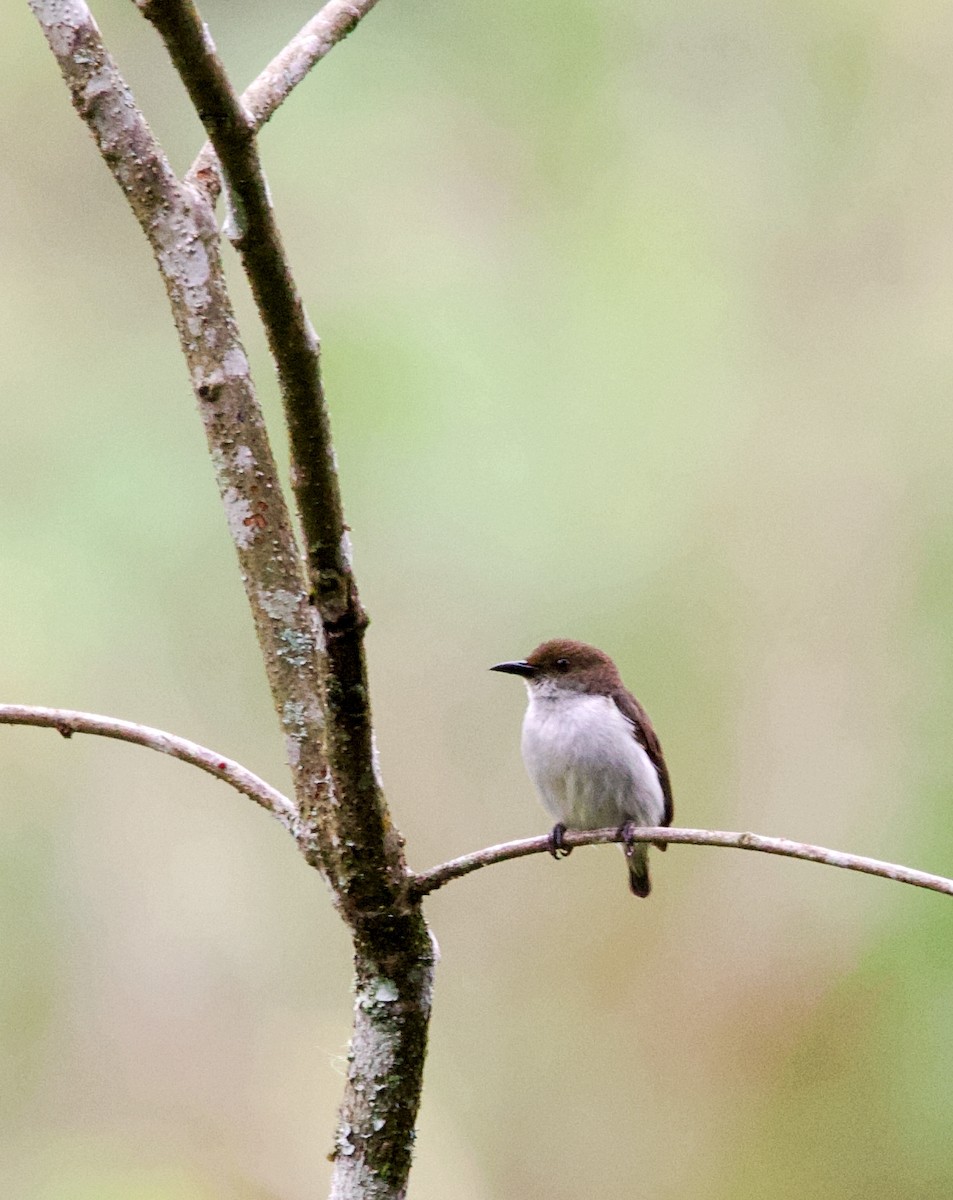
(564, 663)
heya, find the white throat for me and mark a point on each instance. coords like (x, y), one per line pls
(550, 690)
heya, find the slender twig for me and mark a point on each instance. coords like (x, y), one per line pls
(436, 877)
(286, 70)
(67, 722)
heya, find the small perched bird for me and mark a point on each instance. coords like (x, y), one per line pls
(590, 749)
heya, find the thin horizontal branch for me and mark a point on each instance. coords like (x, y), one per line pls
(66, 721)
(436, 877)
(286, 70)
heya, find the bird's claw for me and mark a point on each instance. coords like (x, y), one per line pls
(557, 846)
(625, 833)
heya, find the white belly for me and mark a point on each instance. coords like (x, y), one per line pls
(583, 758)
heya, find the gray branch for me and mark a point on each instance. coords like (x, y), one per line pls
(287, 69)
(361, 854)
(180, 226)
(306, 608)
(67, 721)
(436, 877)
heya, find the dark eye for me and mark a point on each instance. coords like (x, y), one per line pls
(562, 664)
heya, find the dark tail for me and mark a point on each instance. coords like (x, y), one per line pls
(637, 858)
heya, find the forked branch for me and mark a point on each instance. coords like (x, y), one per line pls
(181, 230)
(361, 853)
(309, 618)
(264, 95)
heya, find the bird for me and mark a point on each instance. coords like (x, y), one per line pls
(590, 750)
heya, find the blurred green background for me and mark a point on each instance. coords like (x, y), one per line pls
(637, 327)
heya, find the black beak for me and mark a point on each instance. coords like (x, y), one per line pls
(527, 670)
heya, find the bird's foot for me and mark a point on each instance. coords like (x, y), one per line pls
(557, 846)
(625, 833)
